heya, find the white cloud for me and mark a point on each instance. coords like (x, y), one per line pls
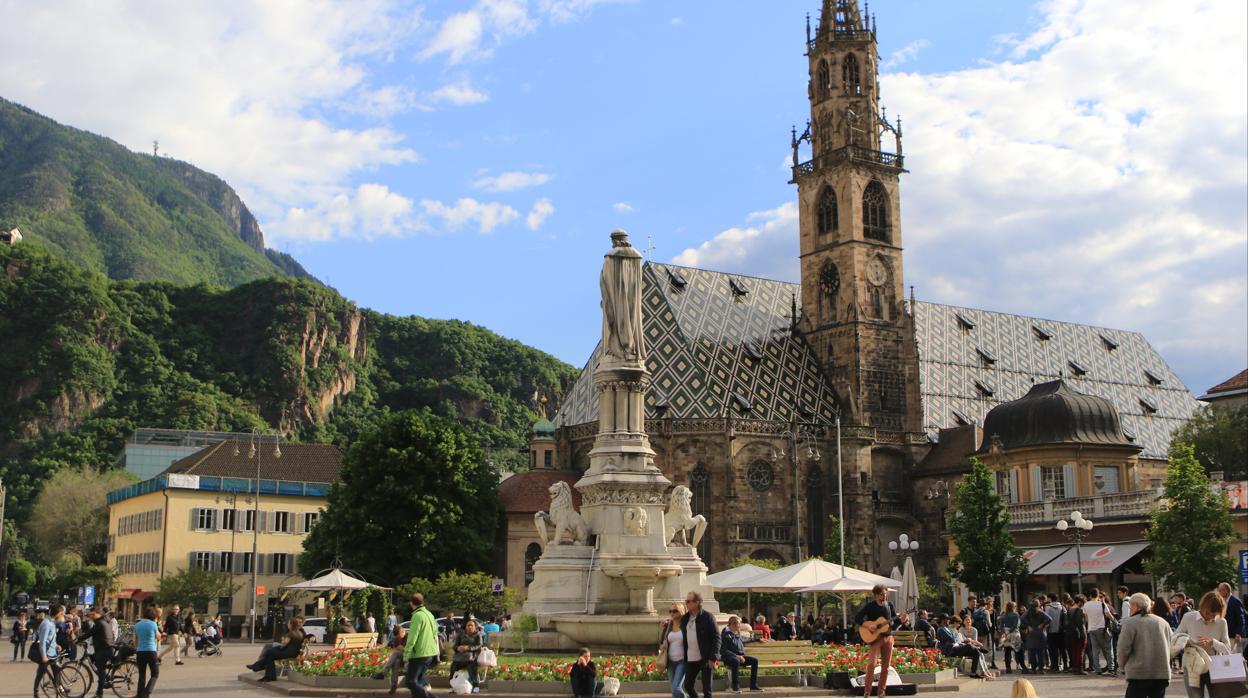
(474, 34)
(511, 181)
(486, 216)
(459, 94)
(905, 54)
(1088, 177)
(623, 207)
(371, 211)
(542, 209)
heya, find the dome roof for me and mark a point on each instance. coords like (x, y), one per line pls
(1053, 413)
(544, 429)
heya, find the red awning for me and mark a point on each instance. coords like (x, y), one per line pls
(140, 595)
(1096, 558)
(1039, 557)
(125, 594)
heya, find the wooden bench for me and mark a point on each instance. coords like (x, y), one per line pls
(785, 654)
(909, 638)
(355, 641)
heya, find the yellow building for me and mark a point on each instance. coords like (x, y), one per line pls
(204, 511)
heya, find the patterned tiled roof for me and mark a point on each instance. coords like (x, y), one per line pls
(965, 354)
(717, 343)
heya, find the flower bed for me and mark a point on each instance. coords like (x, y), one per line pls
(366, 663)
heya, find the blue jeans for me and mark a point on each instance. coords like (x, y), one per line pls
(676, 674)
(734, 670)
(415, 678)
(1036, 658)
(1098, 645)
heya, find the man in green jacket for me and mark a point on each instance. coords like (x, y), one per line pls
(421, 648)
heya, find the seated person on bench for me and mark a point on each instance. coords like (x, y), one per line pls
(732, 651)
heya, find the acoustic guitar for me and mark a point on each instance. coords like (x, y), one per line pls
(873, 630)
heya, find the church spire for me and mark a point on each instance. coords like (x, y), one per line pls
(842, 18)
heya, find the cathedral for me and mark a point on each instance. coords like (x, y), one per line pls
(778, 404)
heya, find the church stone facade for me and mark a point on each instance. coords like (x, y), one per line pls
(749, 375)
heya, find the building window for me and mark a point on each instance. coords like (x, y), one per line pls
(281, 563)
(548, 459)
(309, 520)
(1105, 479)
(281, 521)
(225, 605)
(531, 555)
(202, 561)
(760, 476)
(249, 520)
(1053, 481)
(851, 75)
(1005, 486)
(825, 212)
(246, 566)
(875, 212)
(225, 561)
(814, 510)
(229, 519)
(206, 519)
(823, 80)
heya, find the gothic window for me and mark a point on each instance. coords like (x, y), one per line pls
(700, 484)
(825, 212)
(531, 554)
(823, 80)
(760, 476)
(851, 76)
(814, 510)
(875, 212)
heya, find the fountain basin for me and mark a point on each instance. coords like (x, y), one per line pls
(614, 633)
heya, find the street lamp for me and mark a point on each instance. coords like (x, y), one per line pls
(903, 544)
(1076, 529)
(253, 453)
(801, 436)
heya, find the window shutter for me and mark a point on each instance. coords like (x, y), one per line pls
(1014, 485)
(1037, 485)
(194, 518)
(300, 520)
(1068, 478)
(191, 561)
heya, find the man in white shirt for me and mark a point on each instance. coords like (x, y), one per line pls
(1098, 636)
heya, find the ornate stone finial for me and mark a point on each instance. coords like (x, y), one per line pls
(807, 27)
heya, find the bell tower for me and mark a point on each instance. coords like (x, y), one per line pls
(853, 310)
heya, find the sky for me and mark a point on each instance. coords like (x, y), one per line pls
(1077, 160)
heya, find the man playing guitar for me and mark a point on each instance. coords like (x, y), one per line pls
(874, 621)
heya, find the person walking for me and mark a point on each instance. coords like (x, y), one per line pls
(701, 638)
(1056, 632)
(1012, 638)
(672, 646)
(878, 608)
(173, 635)
(1202, 632)
(1096, 612)
(732, 651)
(146, 642)
(1234, 615)
(45, 639)
(467, 646)
(421, 648)
(1076, 633)
(1144, 649)
(20, 635)
(101, 639)
(1036, 627)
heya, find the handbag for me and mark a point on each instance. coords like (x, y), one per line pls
(35, 653)
(1227, 668)
(486, 658)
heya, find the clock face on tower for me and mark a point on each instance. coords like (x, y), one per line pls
(876, 273)
(829, 279)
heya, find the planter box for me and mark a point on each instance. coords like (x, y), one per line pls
(930, 678)
(335, 681)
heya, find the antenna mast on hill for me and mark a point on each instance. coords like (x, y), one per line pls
(155, 148)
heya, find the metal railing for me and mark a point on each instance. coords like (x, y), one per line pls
(851, 153)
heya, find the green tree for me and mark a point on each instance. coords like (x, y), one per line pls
(1190, 537)
(370, 599)
(194, 587)
(1219, 439)
(415, 495)
(832, 544)
(986, 557)
(22, 576)
(71, 514)
(471, 592)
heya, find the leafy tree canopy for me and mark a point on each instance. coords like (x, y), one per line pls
(70, 514)
(194, 587)
(416, 495)
(22, 576)
(832, 544)
(986, 557)
(1190, 537)
(460, 593)
(1219, 440)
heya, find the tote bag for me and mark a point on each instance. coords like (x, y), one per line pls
(1227, 668)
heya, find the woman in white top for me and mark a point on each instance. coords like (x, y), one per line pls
(673, 646)
(1206, 629)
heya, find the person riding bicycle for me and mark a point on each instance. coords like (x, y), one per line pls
(102, 650)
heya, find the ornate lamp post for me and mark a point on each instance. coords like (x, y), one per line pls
(1076, 529)
(801, 436)
(253, 453)
(904, 545)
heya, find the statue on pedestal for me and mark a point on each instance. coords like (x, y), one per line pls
(570, 527)
(621, 301)
(680, 518)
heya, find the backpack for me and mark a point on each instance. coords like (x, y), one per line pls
(35, 653)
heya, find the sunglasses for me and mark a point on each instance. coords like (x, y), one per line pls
(674, 610)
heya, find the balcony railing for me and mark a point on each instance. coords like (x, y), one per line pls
(852, 153)
(762, 533)
(1140, 503)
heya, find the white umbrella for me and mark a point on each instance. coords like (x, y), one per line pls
(830, 577)
(908, 596)
(895, 574)
(335, 580)
(737, 579)
(803, 576)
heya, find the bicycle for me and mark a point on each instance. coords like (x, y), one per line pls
(68, 681)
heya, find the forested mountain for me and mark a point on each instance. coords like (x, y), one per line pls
(127, 215)
(85, 360)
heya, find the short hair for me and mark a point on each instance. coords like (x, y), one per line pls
(1123, 589)
(1224, 585)
(1080, 599)
(1052, 597)
(582, 652)
(55, 609)
(1180, 595)
(1093, 593)
(1009, 606)
(733, 619)
(878, 589)
(418, 599)
(1211, 602)
(693, 596)
(760, 619)
(1142, 600)
(151, 613)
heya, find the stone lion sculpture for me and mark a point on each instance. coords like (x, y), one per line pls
(569, 527)
(680, 519)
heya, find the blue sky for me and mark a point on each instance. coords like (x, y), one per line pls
(469, 159)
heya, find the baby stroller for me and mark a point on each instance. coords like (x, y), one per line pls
(208, 642)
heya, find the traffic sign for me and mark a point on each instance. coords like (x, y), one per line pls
(259, 590)
(86, 595)
(498, 585)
